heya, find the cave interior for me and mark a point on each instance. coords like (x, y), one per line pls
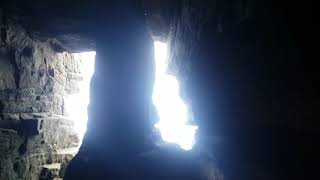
(246, 73)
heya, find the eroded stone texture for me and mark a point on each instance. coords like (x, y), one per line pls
(37, 138)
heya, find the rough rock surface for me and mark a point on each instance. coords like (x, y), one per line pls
(35, 130)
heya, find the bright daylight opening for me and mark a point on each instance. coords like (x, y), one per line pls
(77, 104)
(172, 111)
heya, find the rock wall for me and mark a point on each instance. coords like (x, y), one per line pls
(37, 138)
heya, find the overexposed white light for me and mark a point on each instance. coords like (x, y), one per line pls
(172, 111)
(77, 104)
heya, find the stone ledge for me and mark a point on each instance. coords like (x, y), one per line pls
(25, 106)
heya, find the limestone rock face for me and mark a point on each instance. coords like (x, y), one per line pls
(36, 135)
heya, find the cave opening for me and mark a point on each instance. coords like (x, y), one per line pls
(77, 103)
(172, 110)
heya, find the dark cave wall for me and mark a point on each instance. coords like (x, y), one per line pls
(254, 85)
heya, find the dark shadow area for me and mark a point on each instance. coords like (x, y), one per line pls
(254, 85)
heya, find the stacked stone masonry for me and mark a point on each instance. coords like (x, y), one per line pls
(37, 138)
